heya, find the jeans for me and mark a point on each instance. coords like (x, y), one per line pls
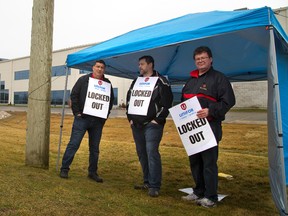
(147, 140)
(94, 127)
(205, 173)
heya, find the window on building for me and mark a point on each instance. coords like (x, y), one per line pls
(115, 91)
(4, 96)
(2, 85)
(57, 97)
(21, 97)
(21, 75)
(84, 72)
(4, 93)
(56, 71)
(177, 91)
(60, 71)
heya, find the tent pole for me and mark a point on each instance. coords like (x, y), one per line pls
(278, 187)
(62, 119)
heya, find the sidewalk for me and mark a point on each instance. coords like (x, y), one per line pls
(239, 117)
(242, 117)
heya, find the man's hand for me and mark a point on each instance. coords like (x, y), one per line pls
(203, 113)
(154, 122)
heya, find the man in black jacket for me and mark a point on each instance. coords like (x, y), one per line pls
(147, 123)
(216, 97)
(87, 122)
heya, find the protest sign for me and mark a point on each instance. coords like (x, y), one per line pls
(141, 95)
(98, 98)
(195, 133)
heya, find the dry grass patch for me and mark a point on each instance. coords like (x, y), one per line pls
(32, 191)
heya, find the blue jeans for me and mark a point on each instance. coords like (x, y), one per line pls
(147, 140)
(94, 127)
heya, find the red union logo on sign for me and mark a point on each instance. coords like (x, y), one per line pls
(146, 79)
(100, 82)
(183, 106)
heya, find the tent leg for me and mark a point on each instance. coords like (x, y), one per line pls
(275, 133)
(62, 120)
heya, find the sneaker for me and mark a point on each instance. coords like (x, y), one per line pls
(141, 187)
(153, 192)
(190, 197)
(64, 174)
(206, 203)
(95, 177)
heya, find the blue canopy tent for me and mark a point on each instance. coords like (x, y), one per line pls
(247, 45)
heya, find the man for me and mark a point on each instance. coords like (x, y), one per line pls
(216, 97)
(88, 122)
(148, 101)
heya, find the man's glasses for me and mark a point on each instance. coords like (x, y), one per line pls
(201, 59)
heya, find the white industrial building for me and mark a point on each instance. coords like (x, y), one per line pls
(14, 79)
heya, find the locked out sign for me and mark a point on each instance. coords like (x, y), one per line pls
(98, 98)
(195, 133)
(141, 95)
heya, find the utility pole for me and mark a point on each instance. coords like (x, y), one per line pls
(38, 114)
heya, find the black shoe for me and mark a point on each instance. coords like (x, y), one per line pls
(141, 187)
(153, 192)
(64, 174)
(95, 177)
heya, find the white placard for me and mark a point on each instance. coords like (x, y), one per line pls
(98, 98)
(141, 95)
(190, 191)
(195, 133)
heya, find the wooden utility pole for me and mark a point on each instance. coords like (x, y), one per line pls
(38, 115)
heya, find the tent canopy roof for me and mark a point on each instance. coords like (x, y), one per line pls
(239, 41)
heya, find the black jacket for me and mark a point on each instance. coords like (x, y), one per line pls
(79, 91)
(161, 101)
(213, 91)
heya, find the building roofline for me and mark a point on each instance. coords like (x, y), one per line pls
(55, 51)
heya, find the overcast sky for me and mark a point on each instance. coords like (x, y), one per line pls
(89, 21)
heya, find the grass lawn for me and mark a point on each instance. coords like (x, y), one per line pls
(27, 190)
